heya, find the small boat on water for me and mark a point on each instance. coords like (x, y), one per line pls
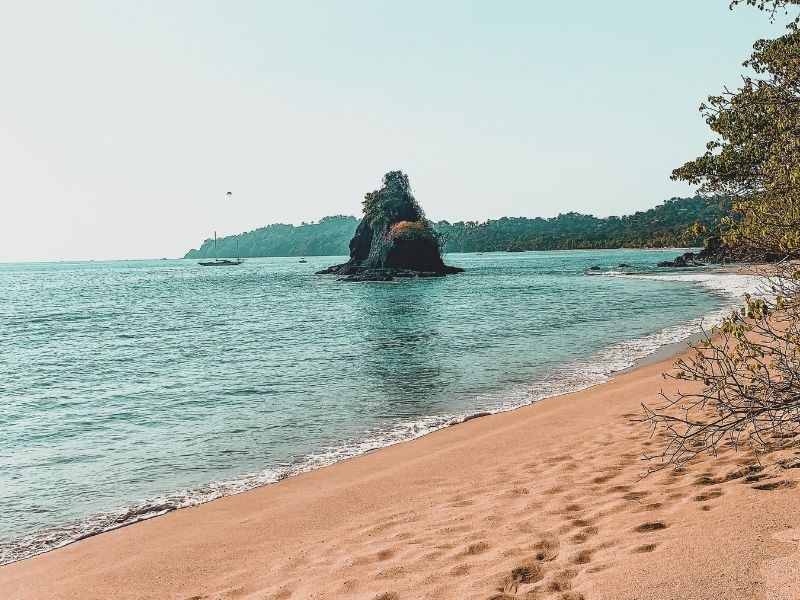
(222, 262)
(303, 260)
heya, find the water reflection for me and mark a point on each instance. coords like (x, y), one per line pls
(401, 340)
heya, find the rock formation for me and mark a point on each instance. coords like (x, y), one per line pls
(393, 239)
(716, 251)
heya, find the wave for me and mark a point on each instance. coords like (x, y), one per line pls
(727, 285)
(572, 377)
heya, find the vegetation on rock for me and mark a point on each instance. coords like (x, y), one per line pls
(393, 235)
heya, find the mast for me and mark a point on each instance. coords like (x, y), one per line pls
(215, 245)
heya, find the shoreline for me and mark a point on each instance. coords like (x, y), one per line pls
(340, 256)
(157, 507)
(144, 510)
(451, 514)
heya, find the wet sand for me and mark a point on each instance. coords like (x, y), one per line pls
(546, 501)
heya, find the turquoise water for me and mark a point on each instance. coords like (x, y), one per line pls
(131, 388)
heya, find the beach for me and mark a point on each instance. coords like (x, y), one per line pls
(344, 301)
(546, 501)
(166, 400)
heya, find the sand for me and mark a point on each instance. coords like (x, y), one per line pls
(543, 502)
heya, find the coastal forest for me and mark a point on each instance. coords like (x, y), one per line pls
(746, 370)
(677, 222)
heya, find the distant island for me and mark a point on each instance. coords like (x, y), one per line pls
(684, 222)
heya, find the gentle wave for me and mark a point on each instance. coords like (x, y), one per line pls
(572, 377)
(728, 285)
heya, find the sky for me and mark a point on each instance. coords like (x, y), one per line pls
(124, 124)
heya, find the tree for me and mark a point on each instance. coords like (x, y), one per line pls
(746, 372)
(755, 157)
(773, 7)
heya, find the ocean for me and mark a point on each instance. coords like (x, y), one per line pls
(132, 388)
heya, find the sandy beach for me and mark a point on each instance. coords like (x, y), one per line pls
(546, 501)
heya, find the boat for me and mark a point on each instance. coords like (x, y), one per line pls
(303, 260)
(222, 262)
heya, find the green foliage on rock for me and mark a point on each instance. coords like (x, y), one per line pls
(392, 202)
(393, 236)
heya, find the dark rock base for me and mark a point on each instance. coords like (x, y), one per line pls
(717, 252)
(358, 273)
(688, 259)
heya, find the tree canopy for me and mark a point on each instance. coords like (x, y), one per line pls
(676, 222)
(747, 368)
(755, 156)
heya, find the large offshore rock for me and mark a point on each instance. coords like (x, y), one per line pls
(394, 239)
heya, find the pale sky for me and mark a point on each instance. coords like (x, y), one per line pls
(125, 123)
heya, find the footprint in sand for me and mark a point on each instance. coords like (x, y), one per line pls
(474, 549)
(583, 557)
(598, 568)
(393, 573)
(676, 496)
(554, 460)
(604, 478)
(534, 506)
(525, 574)
(546, 549)
(460, 571)
(584, 534)
(775, 485)
(643, 549)
(461, 503)
(582, 522)
(562, 581)
(743, 472)
(709, 495)
(650, 527)
(619, 488)
(636, 495)
(572, 596)
(387, 596)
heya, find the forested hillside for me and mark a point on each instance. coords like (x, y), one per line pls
(329, 237)
(662, 226)
(665, 225)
